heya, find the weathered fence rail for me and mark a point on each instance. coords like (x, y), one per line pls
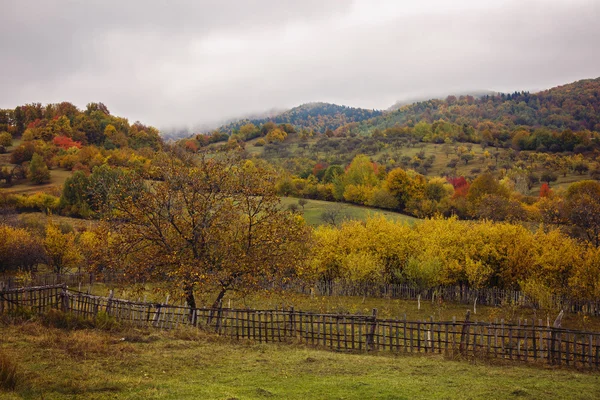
(70, 279)
(455, 294)
(37, 299)
(529, 341)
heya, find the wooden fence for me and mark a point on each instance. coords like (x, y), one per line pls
(37, 299)
(70, 279)
(456, 294)
(529, 341)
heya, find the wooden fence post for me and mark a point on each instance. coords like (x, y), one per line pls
(219, 316)
(64, 297)
(370, 342)
(292, 322)
(553, 335)
(464, 335)
(156, 320)
(109, 302)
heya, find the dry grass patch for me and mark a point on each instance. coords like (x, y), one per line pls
(8, 372)
(85, 344)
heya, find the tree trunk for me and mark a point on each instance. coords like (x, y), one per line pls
(191, 302)
(219, 298)
(216, 305)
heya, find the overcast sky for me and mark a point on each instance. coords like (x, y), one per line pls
(185, 63)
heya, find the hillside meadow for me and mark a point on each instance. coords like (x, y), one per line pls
(58, 176)
(442, 155)
(314, 209)
(188, 364)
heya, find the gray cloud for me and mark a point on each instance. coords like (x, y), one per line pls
(184, 63)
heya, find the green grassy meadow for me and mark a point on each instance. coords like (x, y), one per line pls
(313, 209)
(187, 364)
(58, 176)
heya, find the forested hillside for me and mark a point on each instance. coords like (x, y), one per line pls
(558, 119)
(43, 145)
(507, 157)
(92, 126)
(475, 93)
(317, 117)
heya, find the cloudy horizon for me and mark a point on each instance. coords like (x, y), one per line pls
(187, 64)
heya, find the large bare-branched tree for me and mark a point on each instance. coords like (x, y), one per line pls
(206, 223)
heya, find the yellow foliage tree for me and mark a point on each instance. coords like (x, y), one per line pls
(61, 251)
(19, 249)
(94, 248)
(451, 252)
(276, 135)
(406, 186)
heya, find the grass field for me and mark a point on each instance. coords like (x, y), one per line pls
(58, 177)
(312, 214)
(313, 210)
(131, 364)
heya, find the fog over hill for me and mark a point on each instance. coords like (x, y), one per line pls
(414, 99)
(333, 116)
(182, 131)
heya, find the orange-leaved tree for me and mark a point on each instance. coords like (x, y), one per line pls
(208, 223)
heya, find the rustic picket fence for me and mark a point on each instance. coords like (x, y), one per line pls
(454, 294)
(82, 279)
(530, 342)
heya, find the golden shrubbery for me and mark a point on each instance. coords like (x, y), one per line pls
(452, 252)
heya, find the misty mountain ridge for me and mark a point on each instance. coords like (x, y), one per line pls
(316, 116)
(440, 96)
(321, 116)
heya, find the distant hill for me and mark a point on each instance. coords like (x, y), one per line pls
(574, 106)
(411, 100)
(318, 117)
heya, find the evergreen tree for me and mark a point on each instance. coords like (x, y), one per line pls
(38, 170)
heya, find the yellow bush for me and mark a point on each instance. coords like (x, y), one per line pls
(36, 202)
(476, 253)
(19, 249)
